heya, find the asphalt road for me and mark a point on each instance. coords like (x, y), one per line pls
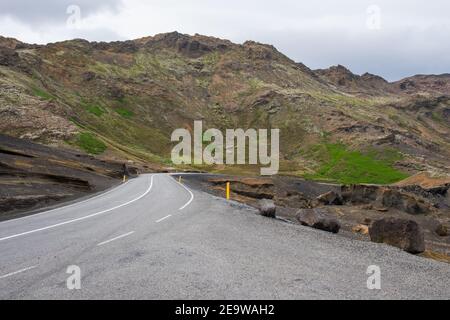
(152, 238)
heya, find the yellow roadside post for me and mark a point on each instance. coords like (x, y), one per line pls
(124, 178)
(228, 191)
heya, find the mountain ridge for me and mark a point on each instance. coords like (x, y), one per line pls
(130, 95)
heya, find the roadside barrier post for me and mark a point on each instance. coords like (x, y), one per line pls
(228, 191)
(179, 179)
(124, 178)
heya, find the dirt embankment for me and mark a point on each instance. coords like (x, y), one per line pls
(356, 207)
(34, 176)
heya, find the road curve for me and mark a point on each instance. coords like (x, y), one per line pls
(153, 238)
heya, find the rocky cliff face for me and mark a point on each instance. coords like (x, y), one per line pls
(34, 176)
(123, 99)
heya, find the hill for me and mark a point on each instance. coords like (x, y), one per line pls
(122, 100)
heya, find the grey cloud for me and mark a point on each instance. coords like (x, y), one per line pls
(412, 39)
(394, 55)
(50, 11)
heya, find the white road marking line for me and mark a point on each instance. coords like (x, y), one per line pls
(81, 218)
(116, 238)
(192, 195)
(68, 206)
(16, 272)
(162, 219)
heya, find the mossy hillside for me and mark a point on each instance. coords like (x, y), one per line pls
(242, 86)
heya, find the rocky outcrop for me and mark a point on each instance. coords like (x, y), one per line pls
(190, 46)
(318, 219)
(345, 80)
(267, 208)
(404, 234)
(8, 57)
(433, 188)
(34, 176)
(248, 187)
(437, 84)
(330, 198)
(385, 197)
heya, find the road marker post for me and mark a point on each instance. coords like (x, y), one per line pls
(179, 179)
(228, 191)
(124, 178)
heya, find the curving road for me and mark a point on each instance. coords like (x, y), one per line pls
(153, 238)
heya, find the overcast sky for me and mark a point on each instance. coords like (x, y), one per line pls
(393, 39)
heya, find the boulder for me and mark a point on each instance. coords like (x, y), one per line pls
(401, 233)
(267, 208)
(330, 198)
(318, 219)
(441, 230)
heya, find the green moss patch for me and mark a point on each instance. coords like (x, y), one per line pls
(42, 94)
(339, 164)
(95, 110)
(124, 112)
(90, 144)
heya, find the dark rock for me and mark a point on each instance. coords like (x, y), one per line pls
(318, 219)
(404, 234)
(193, 48)
(259, 51)
(330, 198)
(126, 46)
(116, 93)
(8, 57)
(292, 199)
(88, 76)
(386, 197)
(267, 208)
(441, 230)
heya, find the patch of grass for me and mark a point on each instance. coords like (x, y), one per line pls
(90, 144)
(203, 83)
(255, 84)
(95, 110)
(211, 59)
(339, 164)
(124, 112)
(437, 117)
(42, 94)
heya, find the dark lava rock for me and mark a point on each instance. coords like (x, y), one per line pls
(330, 198)
(318, 219)
(88, 76)
(441, 230)
(267, 208)
(8, 57)
(116, 93)
(387, 197)
(404, 234)
(38, 176)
